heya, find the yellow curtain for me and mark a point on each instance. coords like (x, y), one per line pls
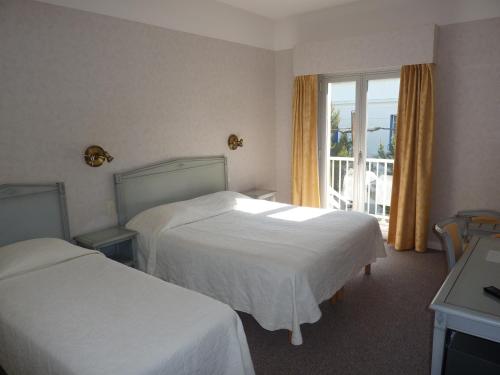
(411, 188)
(305, 180)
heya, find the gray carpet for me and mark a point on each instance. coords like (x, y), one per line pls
(383, 325)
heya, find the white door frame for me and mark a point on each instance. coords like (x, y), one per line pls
(358, 131)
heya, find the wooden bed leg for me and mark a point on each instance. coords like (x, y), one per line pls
(333, 300)
(338, 296)
(368, 269)
(290, 337)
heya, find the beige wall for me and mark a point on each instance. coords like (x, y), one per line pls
(374, 51)
(363, 18)
(71, 78)
(284, 130)
(467, 146)
(201, 17)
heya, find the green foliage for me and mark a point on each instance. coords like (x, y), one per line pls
(390, 153)
(343, 147)
(392, 146)
(381, 151)
(334, 119)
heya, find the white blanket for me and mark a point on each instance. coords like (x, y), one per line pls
(275, 261)
(90, 315)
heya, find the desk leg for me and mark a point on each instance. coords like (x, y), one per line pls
(438, 342)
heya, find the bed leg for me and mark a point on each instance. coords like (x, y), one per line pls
(290, 337)
(333, 300)
(368, 269)
(338, 296)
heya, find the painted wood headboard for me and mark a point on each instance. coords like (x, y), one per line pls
(32, 211)
(166, 182)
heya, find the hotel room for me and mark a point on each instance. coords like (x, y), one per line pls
(249, 187)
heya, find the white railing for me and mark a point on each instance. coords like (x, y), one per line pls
(377, 189)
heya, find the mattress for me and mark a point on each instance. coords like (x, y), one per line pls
(90, 315)
(274, 261)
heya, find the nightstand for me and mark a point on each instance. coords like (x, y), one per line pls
(116, 243)
(268, 195)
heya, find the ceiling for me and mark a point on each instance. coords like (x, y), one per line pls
(277, 9)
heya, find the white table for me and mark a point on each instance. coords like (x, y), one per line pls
(462, 305)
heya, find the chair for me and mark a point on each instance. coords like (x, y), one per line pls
(450, 232)
(479, 222)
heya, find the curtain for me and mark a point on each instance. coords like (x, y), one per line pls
(305, 180)
(411, 189)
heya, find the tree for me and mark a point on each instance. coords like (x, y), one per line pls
(334, 119)
(391, 149)
(392, 146)
(381, 151)
(343, 147)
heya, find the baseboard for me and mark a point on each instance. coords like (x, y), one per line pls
(431, 244)
(434, 245)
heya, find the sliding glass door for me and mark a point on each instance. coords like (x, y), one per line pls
(358, 118)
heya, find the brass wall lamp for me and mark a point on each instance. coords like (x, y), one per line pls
(95, 156)
(233, 142)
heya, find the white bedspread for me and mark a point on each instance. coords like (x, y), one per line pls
(90, 315)
(275, 261)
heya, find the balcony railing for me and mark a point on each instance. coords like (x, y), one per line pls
(377, 188)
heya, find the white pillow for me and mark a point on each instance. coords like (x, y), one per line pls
(152, 222)
(157, 218)
(172, 215)
(25, 256)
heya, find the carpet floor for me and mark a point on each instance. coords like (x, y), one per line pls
(382, 326)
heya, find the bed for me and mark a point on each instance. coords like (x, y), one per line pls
(69, 310)
(274, 261)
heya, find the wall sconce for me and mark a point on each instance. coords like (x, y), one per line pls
(95, 156)
(233, 142)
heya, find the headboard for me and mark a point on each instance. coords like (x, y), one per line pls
(32, 211)
(168, 181)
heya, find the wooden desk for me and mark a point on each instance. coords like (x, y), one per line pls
(462, 305)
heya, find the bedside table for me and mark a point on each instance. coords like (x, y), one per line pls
(116, 243)
(268, 195)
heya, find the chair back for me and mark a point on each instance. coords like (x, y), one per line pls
(449, 233)
(479, 222)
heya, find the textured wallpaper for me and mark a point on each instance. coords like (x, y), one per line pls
(70, 79)
(366, 53)
(284, 127)
(467, 138)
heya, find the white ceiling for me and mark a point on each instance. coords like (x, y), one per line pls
(277, 9)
